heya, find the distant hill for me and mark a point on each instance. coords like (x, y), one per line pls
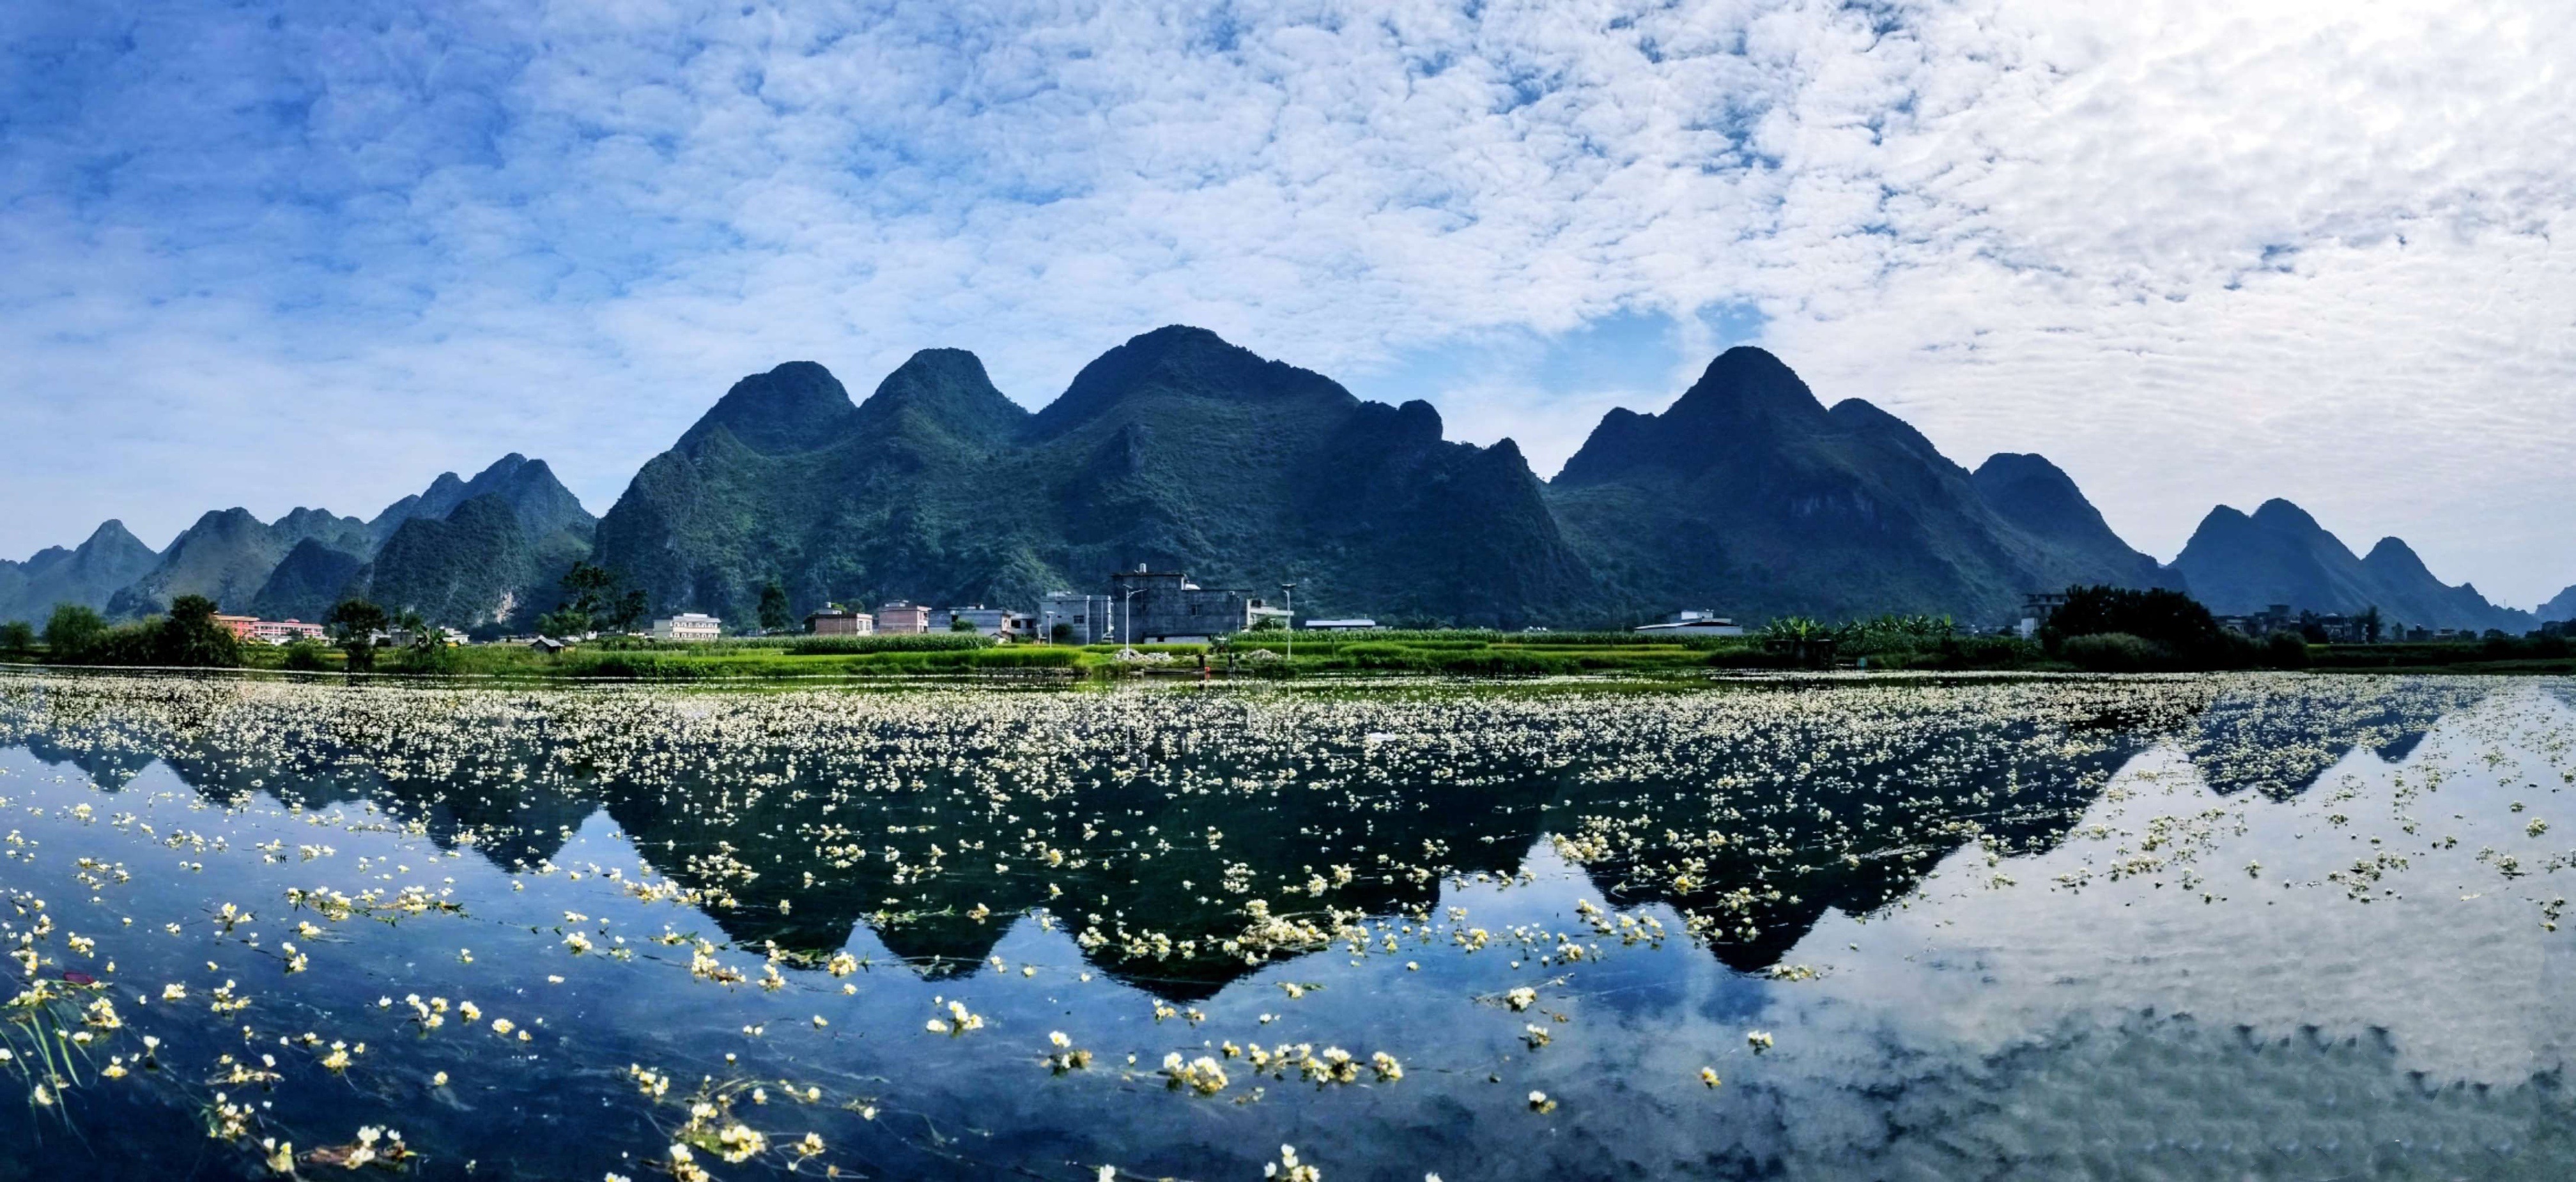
(2240, 564)
(302, 563)
(307, 582)
(89, 575)
(2039, 497)
(1180, 450)
(1750, 494)
(2559, 609)
(474, 567)
(541, 503)
(228, 555)
(1175, 449)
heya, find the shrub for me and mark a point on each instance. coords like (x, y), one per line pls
(2114, 652)
(931, 642)
(2170, 621)
(2284, 650)
(190, 637)
(72, 631)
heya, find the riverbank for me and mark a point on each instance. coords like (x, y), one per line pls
(1322, 655)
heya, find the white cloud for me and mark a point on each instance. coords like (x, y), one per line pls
(2193, 250)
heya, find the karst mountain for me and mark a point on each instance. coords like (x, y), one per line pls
(1179, 450)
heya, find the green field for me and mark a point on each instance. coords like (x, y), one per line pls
(1316, 654)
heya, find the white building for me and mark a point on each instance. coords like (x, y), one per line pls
(688, 626)
(1352, 625)
(989, 621)
(1695, 623)
(1085, 618)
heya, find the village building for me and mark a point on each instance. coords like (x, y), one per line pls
(988, 621)
(1152, 606)
(1694, 623)
(688, 626)
(836, 620)
(270, 631)
(1068, 618)
(902, 619)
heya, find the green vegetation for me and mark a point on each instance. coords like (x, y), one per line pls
(2119, 630)
(73, 629)
(592, 602)
(354, 624)
(774, 615)
(2101, 630)
(189, 637)
(17, 636)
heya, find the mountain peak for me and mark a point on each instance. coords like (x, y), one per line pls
(2393, 552)
(950, 387)
(2560, 607)
(505, 468)
(2014, 465)
(1746, 381)
(1745, 399)
(2278, 513)
(1179, 360)
(543, 504)
(111, 532)
(798, 406)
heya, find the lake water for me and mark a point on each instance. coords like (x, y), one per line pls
(2189, 928)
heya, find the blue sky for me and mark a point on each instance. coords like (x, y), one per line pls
(273, 254)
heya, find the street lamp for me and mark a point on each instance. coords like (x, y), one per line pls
(1289, 590)
(1130, 600)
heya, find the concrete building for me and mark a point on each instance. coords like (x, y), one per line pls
(285, 631)
(2036, 608)
(270, 631)
(902, 619)
(688, 626)
(1694, 623)
(1067, 618)
(1160, 606)
(840, 621)
(989, 621)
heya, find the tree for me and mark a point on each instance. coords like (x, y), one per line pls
(586, 589)
(17, 636)
(958, 623)
(73, 631)
(2171, 622)
(354, 624)
(773, 607)
(626, 612)
(428, 651)
(191, 637)
(593, 603)
(2371, 624)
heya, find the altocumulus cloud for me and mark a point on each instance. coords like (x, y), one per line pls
(2195, 251)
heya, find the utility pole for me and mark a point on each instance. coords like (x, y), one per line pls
(1290, 591)
(1130, 600)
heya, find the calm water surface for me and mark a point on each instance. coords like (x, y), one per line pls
(2248, 927)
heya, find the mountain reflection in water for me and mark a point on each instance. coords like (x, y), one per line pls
(1221, 851)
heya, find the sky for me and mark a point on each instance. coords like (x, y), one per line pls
(2195, 251)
